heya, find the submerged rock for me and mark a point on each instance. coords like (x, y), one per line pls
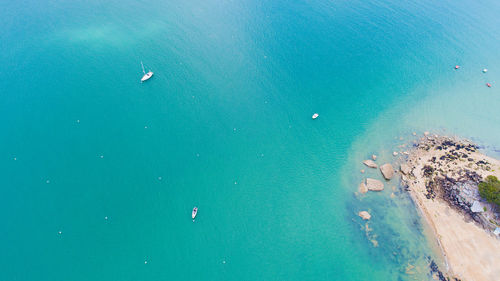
(362, 188)
(387, 171)
(374, 157)
(370, 164)
(374, 185)
(364, 215)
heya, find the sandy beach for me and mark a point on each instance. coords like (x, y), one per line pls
(471, 250)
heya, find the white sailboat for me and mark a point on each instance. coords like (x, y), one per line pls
(194, 212)
(146, 75)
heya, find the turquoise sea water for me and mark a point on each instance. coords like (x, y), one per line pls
(225, 125)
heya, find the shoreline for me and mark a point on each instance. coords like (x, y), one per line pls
(441, 174)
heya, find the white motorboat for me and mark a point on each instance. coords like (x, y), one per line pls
(315, 115)
(146, 75)
(195, 211)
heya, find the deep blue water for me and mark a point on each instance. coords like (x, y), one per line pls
(225, 125)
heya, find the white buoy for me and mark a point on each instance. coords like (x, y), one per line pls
(145, 262)
(485, 70)
(106, 217)
(315, 115)
(60, 232)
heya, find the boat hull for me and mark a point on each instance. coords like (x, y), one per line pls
(147, 76)
(194, 213)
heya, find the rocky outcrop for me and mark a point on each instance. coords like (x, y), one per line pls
(364, 215)
(387, 171)
(374, 185)
(451, 170)
(374, 157)
(370, 164)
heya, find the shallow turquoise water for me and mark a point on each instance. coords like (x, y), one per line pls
(225, 125)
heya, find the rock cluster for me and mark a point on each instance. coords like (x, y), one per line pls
(461, 192)
(450, 174)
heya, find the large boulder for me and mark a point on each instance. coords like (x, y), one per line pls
(374, 185)
(364, 215)
(387, 171)
(405, 169)
(362, 188)
(477, 207)
(370, 164)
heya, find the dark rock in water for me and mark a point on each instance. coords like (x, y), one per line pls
(434, 269)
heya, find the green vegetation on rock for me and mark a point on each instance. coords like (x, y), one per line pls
(490, 190)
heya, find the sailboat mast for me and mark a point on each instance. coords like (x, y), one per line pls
(143, 68)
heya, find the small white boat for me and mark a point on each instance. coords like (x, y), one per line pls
(195, 211)
(315, 115)
(485, 70)
(146, 75)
